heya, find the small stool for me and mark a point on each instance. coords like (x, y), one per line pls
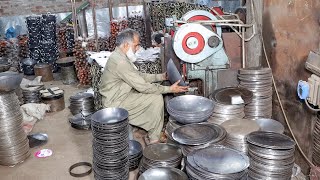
(44, 70)
(54, 97)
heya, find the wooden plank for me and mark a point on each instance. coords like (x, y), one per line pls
(254, 46)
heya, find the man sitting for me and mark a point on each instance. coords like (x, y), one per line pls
(122, 85)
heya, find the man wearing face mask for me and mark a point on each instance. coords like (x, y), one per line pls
(122, 85)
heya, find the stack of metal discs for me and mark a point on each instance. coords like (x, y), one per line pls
(110, 129)
(237, 130)
(160, 155)
(217, 162)
(32, 94)
(80, 122)
(316, 143)
(189, 109)
(229, 103)
(170, 127)
(135, 154)
(197, 136)
(14, 144)
(259, 81)
(271, 155)
(82, 103)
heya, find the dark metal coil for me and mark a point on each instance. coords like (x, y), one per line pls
(82, 103)
(68, 75)
(14, 144)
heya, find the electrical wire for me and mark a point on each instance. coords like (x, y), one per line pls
(277, 93)
(313, 109)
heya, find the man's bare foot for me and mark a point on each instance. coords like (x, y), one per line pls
(148, 142)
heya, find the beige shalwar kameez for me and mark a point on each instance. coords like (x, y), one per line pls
(122, 85)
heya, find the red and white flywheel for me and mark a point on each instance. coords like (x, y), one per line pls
(191, 42)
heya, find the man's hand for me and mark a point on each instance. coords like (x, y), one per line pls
(175, 88)
(165, 76)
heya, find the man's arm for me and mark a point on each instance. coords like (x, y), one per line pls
(132, 77)
(152, 77)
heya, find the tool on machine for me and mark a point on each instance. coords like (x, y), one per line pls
(309, 91)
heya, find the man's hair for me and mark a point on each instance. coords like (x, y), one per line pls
(126, 36)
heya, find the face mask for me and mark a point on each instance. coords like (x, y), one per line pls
(131, 55)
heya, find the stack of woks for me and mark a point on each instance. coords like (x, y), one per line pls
(237, 130)
(23, 46)
(197, 136)
(316, 143)
(160, 155)
(135, 154)
(3, 47)
(34, 32)
(217, 162)
(13, 54)
(271, 156)
(189, 109)
(82, 103)
(110, 129)
(81, 64)
(14, 144)
(229, 103)
(31, 94)
(259, 81)
(49, 46)
(170, 127)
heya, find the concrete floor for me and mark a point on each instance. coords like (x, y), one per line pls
(69, 146)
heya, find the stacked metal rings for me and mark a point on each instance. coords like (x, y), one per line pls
(160, 155)
(271, 155)
(14, 144)
(110, 130)
(32, 94)
(82, 103)
(237, 130)
(135, 154)
(197, 136)
(217, 162)
(259, 81)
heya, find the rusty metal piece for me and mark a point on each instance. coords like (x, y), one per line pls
(56, 102)
(44, 70)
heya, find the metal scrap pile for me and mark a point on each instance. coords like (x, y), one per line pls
(23, 46)
(3, 48)
(138, 23)
(81, 64)
(159, 11)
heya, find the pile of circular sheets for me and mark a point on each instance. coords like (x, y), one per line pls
(14, 144)
(237, 131)
(160, 155)
(188, 109)
(135, 154)
(110, 130)
(197, 136)
(82, 103)
(271, 155)
(217, 162)
(172, 125)
(259, 81)
(270, 125)
(163, 173)
(229, 103)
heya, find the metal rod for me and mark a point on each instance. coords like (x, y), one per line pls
(127, 8)
(110, 9)
(243, 49)
(94, 16)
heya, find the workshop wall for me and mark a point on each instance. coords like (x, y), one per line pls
(291, 30)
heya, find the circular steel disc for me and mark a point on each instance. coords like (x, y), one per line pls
(194, 134)
(271, 140)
